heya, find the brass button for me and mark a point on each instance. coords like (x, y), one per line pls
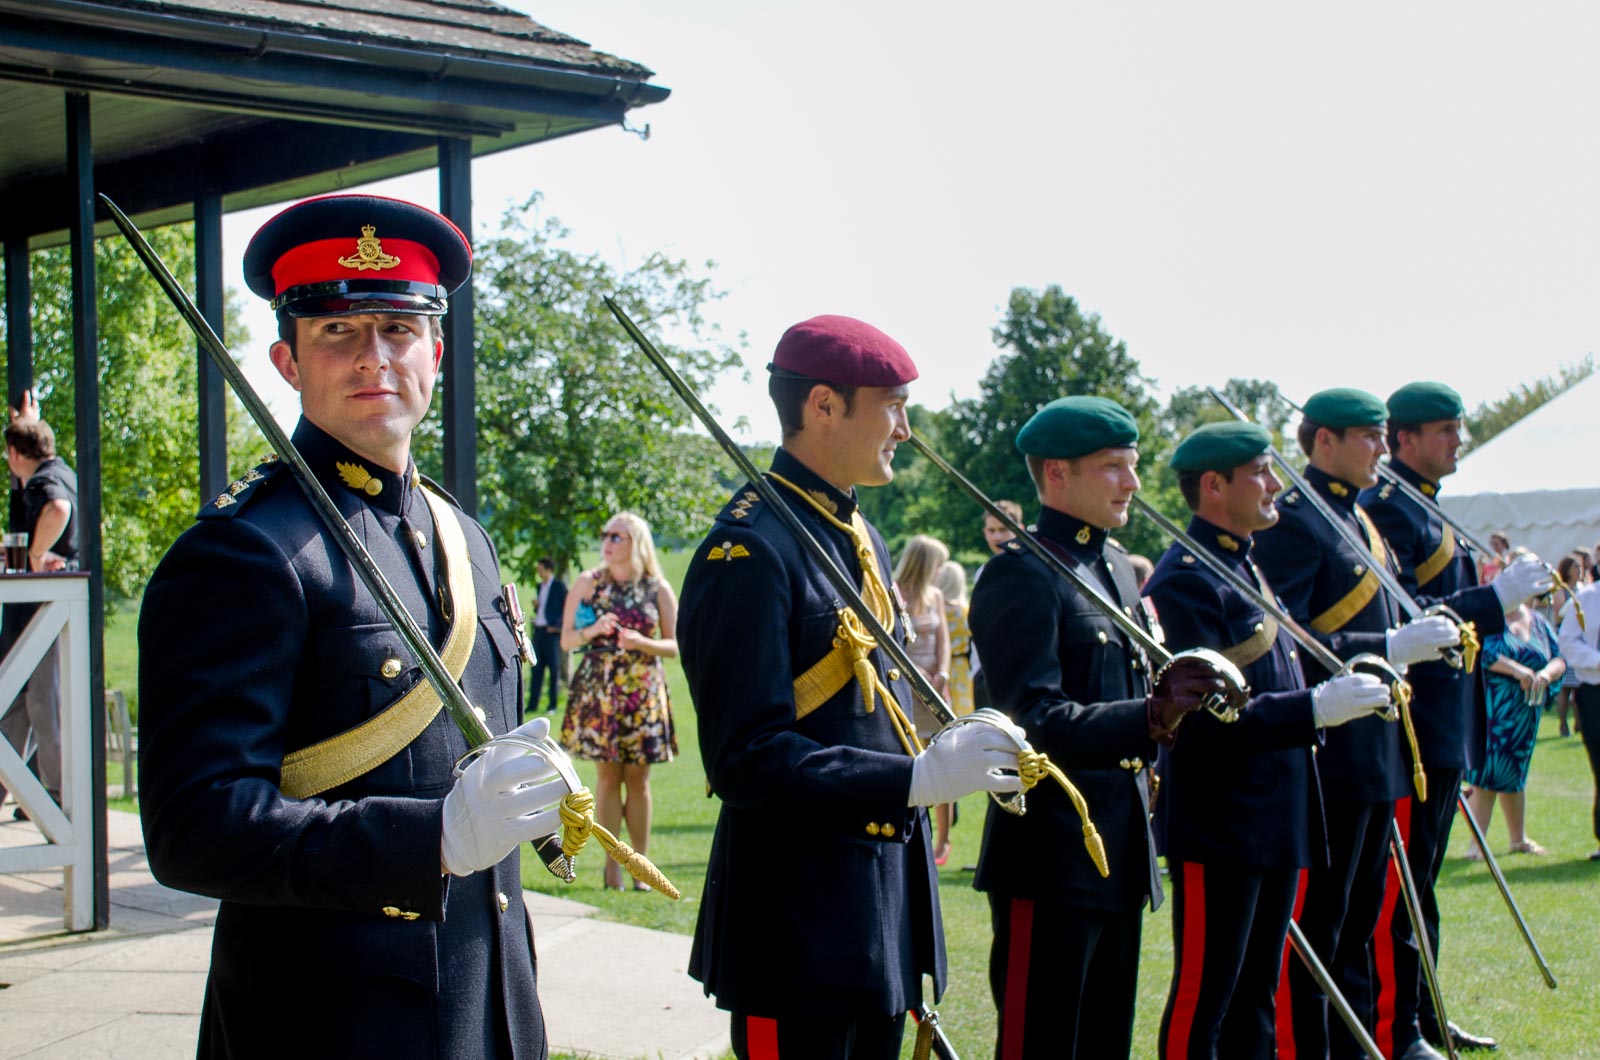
(894, 674)
(872, 827)
(1138, 763)
(1125, 764)
(395, 913)
(1360, 570)
(481, 715)
(1101, 634)
(390, 669)
(1258, 627)
(1292, 655)
(422, 539)
(373, 487)
(505, 903)
(888, 830)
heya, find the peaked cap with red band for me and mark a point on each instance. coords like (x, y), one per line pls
(342, 254)
(841, 350)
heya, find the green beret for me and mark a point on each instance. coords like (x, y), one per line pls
(1071, 427)
(1424, 403)
(1344, 407)
(1221, 447)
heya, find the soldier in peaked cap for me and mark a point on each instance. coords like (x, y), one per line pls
(1065, 959)
(821, 907)
(1241, 813)
(295, 762)
(1424, 436)
(1326, 585)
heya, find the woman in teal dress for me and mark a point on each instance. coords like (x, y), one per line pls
(1523, 669)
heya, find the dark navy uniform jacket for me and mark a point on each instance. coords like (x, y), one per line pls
(1064, 672)
(821, 897)
(1325, 584)
(1245, 792)
(1435, 567)
(257, 639)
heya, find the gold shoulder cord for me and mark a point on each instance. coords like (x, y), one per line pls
(853, 640)
(1402, 691)
(853, 643)
(354, 752)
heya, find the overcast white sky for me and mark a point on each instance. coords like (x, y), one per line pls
(1358, 194)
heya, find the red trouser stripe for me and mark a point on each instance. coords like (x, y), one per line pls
(1283, 1011)
(761, 1037)
(1191, 963)
(1383, 940)
(1014, 1019)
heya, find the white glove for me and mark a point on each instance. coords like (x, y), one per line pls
(1522, 580)
(1341, 699)
(508, 795)
(963, 759)
(1421, 640)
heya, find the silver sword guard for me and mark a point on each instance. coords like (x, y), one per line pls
(1226, 705)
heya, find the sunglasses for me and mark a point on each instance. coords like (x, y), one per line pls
(613, 537)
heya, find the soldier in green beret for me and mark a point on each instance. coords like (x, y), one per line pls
(1424, 434)
(1065, 960)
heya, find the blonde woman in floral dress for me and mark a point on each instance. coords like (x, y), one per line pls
(622, 617)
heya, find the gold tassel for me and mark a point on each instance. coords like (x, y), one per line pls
(1033, 767)
(1419, 778)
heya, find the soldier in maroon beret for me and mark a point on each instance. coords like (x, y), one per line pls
(821, 909)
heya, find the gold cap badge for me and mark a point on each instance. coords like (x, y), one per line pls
(1228, 542)
(369, 253)
(1338, 489)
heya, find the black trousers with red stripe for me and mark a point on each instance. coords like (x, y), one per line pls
(1064, 979)
(1338, 916)
(1404, 1005)
(818, 1038)
(1228, 927)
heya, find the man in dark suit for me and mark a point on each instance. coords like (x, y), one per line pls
(1065, 960)
(1241, 810)
(295, 762)
(821, 907)
(1424, 436)
(1325, 583)
(547, 611)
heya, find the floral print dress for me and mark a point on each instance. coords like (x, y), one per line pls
(618, 708)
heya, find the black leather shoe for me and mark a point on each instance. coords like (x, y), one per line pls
(1420, 1050)
(1462, 1040)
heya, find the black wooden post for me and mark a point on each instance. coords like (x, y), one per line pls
(209, 388)
(19, 349)
(460, 337)
(86, 411)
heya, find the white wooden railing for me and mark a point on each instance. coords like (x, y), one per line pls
(68, 828)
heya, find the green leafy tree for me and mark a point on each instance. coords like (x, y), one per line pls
(148, 422)
(1492, 417)
(573, 423)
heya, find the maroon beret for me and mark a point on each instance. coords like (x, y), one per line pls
(842, 350)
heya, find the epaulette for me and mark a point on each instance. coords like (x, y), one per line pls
(1291, 498)
(231, 501)
(742, 508)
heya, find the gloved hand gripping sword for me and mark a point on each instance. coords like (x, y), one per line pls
(1032, 767)
(1464, 657)
(558, 853)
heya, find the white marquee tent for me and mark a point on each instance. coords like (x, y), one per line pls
(1539, 479)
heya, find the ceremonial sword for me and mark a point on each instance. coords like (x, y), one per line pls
(1222, 705)
(1505, 891)
(1471, 540)
(462, 712)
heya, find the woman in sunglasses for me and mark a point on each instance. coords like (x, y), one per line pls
(622, 617)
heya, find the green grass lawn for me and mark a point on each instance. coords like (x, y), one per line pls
(1490, 981)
